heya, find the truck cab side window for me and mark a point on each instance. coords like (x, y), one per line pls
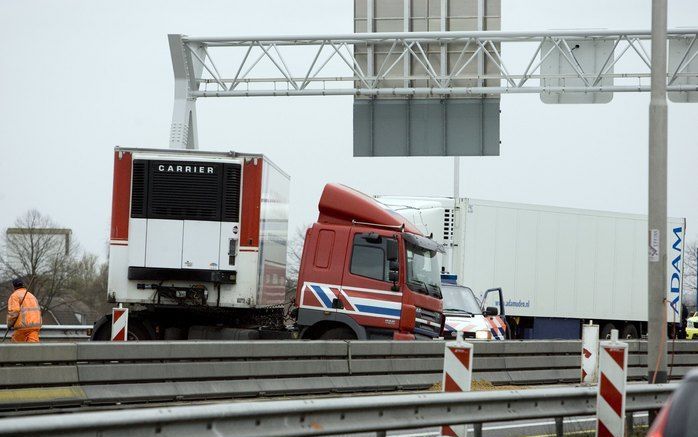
(369, 257)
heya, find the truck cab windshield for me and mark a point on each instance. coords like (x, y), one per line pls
(460, 300)
(423, 270)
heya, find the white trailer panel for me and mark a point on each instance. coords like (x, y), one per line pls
(198, 228)
(563, 262)
(550, 261)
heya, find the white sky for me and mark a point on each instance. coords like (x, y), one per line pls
(78, 77)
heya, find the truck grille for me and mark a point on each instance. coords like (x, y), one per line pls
(138, 189)
(449, 218)
(186, 190)
(427, 323)
(184, 196)
(231, 193)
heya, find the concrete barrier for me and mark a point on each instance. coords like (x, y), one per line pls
(107, 372)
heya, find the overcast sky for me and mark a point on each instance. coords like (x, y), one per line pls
(79, 77)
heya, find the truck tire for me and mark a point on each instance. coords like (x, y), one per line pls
(606, 331)
(102, 329)
(630, 332)
(137, 331)
(174, 333)
(338, 334)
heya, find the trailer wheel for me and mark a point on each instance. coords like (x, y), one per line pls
(630, 332)
(137, 331)
(606, 331)
(102, 329)
(338, 334)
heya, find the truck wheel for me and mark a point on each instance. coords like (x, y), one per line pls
(138, 332)
(630, 332)
(102, 329)
(338, 334)
(606, 331)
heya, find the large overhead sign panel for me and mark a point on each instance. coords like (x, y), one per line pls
(401, 123)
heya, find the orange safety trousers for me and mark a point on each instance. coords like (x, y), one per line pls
(25, 336)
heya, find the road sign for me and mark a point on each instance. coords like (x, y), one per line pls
(426, 125)
(419, 127)
(591, 60)
(457, 376)
(610, 401)
(590, 354)
(119, 324)
(683, 68)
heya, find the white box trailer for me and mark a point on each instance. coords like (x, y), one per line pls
(201, 230)
(558, 267)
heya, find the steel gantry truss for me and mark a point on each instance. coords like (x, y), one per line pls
(443, 64)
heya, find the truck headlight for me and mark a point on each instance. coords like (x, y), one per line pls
(483, 335)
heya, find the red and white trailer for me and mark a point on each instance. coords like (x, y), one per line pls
(200, 230)
(198, 251)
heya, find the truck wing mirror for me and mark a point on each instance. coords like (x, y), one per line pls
(500, 295)
(391, 248)
(491, 311)
(393, 269)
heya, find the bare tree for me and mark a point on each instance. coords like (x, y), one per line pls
(295, 252)
(88, 283)
(293, 260)
(41, 253)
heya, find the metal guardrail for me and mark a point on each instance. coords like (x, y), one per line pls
(103, 373)
(56, 333)
(309, 417)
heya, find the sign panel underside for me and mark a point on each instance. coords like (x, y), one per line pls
(434, 127)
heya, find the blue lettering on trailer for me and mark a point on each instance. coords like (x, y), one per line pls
(675, 281)
(517, 303)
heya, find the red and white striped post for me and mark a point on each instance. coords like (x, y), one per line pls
(610, 401)
(458, 376)
(590, 354)
(119, 324)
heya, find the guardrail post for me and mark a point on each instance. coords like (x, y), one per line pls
(590, 354)
(629, 423)
(610, 400)
(559, 427)
(477, 429)
(457, 377)
(119, 324)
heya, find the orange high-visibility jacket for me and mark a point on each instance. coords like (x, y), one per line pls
(26, 317)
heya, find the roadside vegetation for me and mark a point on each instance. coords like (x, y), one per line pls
(69, 282)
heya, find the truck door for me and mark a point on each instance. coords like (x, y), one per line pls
(366, 292)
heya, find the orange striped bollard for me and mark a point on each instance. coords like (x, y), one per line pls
(610, 401)
(458, 366)
(119, 324)
(590, 354)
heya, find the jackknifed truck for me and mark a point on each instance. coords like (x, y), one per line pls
(198, 251)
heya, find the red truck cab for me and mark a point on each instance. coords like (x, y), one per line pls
(367, 273)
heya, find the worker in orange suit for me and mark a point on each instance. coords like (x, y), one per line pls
(23, 314)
